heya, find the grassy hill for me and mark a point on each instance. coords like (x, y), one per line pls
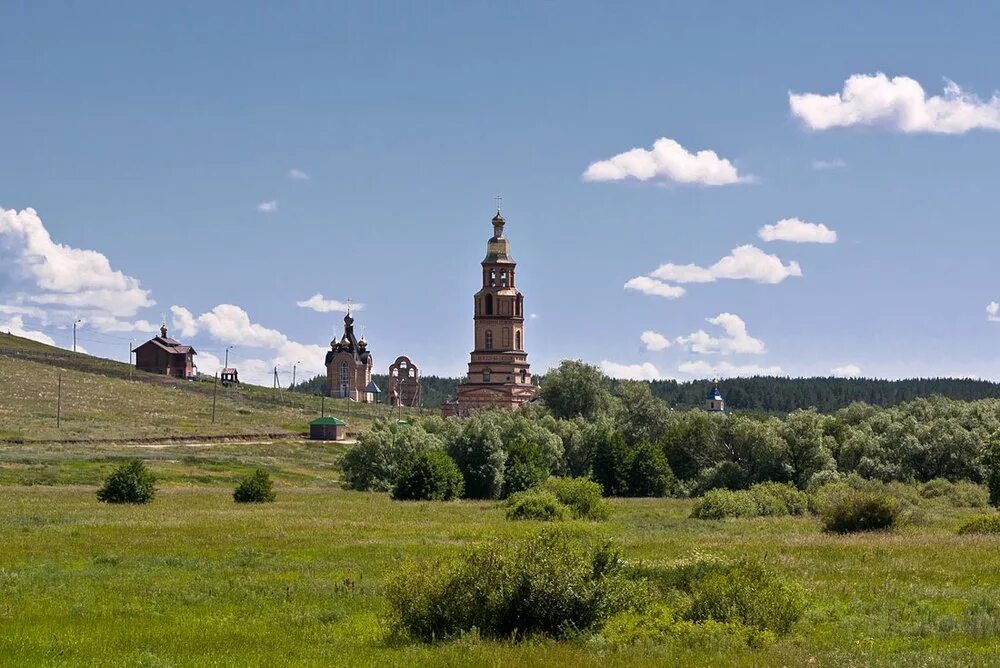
(106, 400)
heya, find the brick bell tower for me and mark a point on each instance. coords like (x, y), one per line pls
(499, 375)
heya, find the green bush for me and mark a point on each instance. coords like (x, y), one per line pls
(550, 585)
(583, 496)
(748, 593)
(536, 504)
(981, 524)
(722, 503)
(857, 510)
(936, 488)
(724, 475)
(428, 476)
(648, 472)
(965, 494)
(372, 463)
(132, 482)
(787, 498)
(255, 488)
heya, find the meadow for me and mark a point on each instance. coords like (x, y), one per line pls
(195, 579)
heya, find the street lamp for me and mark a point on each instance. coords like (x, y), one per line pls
(294, 366)
(226, 365)
(74, 333)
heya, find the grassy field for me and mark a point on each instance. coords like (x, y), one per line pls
(102, 399)
(194, 579)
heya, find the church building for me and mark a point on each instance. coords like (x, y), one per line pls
(499, 375)
(349, 366)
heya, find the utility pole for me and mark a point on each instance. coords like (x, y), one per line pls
(322, 405)
(226, 365)
(215, 389)
(131, 343)
(295, 366)
(59, 401)
(75, 323)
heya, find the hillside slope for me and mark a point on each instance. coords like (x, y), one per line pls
(106, 400)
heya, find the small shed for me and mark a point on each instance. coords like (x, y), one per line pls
(229, 376)
(328, 429)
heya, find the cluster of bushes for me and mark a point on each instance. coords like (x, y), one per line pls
(556, 586)
(767, 499)
(134, 482)
(557, 499)
(983, 524)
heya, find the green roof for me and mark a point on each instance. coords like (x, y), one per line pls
(328, 421)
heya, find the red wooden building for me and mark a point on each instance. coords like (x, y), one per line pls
(165, 356)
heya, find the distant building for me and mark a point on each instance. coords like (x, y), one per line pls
(349, 366)
(229, 376)
(499, 374)
(404, 382)
(327, 429)
(714, 402)
(165, 356)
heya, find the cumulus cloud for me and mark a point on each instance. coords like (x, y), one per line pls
(16, 327)
(56, 275)
(297, 175)
(323, 305)
(654, 340)
(899, 103)
(703, 369)
(231, 325)
(993, 312)
(667, 161)
(106, 323)
(644, 371)
(270, 206)
(846, 371)
(735, 341)
(651, 286)
(798, 231)
(743, 262)
(820, 165)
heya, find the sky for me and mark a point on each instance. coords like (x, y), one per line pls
(690, 190)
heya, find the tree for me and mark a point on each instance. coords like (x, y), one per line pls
(648, 472)
(255, 488)
(640, 416)
(992, 462)
(132, 482)
(612, 462)
(806, 454)
(692, 442)
(373, 462)
(480, 455)
(756, 447)
(428, 476)
(574, 389)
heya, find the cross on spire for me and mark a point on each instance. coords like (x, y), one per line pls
(499, 199)
(348, 306)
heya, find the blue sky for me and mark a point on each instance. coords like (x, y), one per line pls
(151, 134)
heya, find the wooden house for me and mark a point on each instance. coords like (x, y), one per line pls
(165, 356)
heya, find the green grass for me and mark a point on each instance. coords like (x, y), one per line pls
(103, 399)
(195, 579)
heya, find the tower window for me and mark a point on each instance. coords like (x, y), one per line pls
(486, 375)
(489, 339)
(503, 279)
(493, 278)
(517, 340)
(524, 376)
(489, 304)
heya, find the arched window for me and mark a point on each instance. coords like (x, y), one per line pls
(493, 278)
(489, 339)
(524, 376)
(503, 279)
(517, 340)
(489, 304)
(487, 374)
(345, 379)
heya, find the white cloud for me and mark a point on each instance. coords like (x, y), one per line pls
(269, 206)
(297, 175)
(651, 286)
(736, 340)
(703, 369)
(899, 103)
(669, 161)
(16, 327)
(56, 275)
(654, 340)
(532, 316)
(846, 371)
(743, 262)
(323, 305)
(993, 312)
(184, 321)
(231, 325)
(798, 231)
(645, 371)
(106, 323)
(820, 165)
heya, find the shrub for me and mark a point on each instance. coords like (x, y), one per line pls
(936, 488)
(583, 496)
(550, 585)
(748, 593)
(526, 467)
(786, 498)
(536, 504)
(428, 476)
(255, 488)
(981, 524)
(612, 460)
(724, 475)
(648, 471)
(721, 503)
(132, 482)
(860, 511)
(965, 494)
(821, 478)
